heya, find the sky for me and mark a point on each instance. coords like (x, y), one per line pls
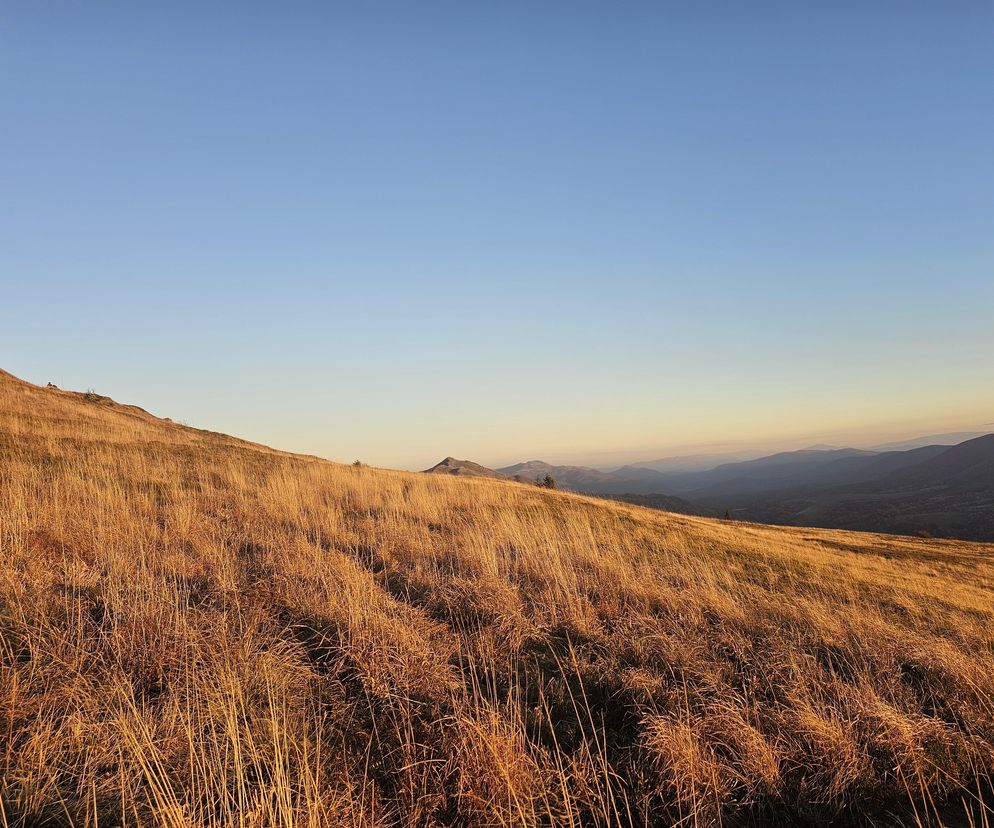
(581, 232)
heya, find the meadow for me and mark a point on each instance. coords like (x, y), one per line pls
(200, 631)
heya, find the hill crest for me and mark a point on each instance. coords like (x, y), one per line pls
(463, 468)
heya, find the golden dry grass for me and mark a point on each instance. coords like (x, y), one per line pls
(197, 631)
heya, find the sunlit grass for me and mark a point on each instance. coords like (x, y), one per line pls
(196, 631)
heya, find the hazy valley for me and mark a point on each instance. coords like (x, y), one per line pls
(946, 490)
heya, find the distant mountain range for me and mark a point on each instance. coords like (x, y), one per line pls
(946, 492)
(577, 478)
(906, 487)
(628, 479)
(949, 439)
(695, 462)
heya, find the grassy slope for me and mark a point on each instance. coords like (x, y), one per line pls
(196, 630)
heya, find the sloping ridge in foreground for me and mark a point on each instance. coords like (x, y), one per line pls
(199, 631)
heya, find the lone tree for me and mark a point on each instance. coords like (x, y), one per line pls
(547, 482)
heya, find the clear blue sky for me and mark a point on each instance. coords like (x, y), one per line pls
(574, 231)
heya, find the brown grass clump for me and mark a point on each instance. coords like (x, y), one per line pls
(198, 631)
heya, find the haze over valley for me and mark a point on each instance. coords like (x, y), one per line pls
(940, 485)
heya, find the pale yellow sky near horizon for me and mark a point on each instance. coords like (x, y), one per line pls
(763, 423)
(777, 422)
(856, 438)
(713, 433)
